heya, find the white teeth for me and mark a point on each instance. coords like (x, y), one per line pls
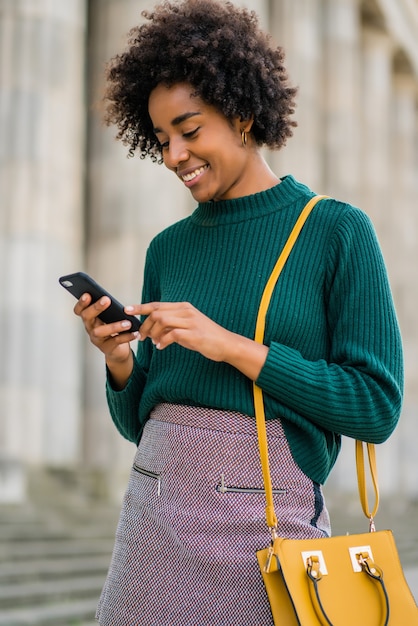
(188, 177)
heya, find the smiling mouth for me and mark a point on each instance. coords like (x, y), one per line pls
(187, 178)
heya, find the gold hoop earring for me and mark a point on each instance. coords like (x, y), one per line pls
(244, 138)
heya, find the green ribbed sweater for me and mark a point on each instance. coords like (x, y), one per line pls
(334, 365)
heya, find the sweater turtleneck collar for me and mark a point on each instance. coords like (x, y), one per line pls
(250, 207)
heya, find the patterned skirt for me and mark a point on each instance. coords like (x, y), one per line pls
(193, 517)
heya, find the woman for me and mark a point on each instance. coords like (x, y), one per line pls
(201, 88)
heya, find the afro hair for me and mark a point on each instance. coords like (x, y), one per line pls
(220, 51)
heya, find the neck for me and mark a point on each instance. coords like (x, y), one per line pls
(261, 177)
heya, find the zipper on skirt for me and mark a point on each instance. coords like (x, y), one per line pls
(149, 474)
(222, 487)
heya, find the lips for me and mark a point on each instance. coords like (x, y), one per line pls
(191, 175)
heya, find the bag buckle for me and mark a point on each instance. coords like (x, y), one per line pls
(271, 553)
(369, 566)
(313, 567)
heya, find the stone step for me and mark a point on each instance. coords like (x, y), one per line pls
(59, 614)
(53, 564)
(57, 529)
(43, 569)
(29, 533)
(53, 590)
(17, 550)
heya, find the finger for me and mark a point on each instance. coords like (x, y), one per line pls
(115, 340)
(103, 331)
(91, 313)
(134, 309)
(150, 307)
(167, 338)
(168, 314)
(82, 303)
(156, 325)
(145, 309)
(171, 329)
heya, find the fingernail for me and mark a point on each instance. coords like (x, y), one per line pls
(84, 297)
(129, 308)
(126, 324)
(103, 300)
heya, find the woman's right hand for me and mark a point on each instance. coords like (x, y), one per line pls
(111, 339)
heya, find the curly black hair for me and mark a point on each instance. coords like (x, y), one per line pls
(220, 51)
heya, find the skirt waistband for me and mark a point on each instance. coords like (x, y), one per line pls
(213, 419)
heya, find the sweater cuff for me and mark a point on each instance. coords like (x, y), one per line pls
(280, 369)
(125, 401)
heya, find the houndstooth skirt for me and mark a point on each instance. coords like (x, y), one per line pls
(193, 517)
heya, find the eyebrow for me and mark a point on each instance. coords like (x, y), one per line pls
(179, 120)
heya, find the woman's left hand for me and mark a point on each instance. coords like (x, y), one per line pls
(180, 322)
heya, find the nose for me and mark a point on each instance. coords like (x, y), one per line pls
(175, 153)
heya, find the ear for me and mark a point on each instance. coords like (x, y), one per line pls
(246, 125)
(243, 125)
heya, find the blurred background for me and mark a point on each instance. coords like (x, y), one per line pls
(71, 200)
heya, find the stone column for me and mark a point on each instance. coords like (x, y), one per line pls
(41, 178)
(403, 264)
(341, 136)
(296, 26)
(375, 154)
(261, 7)
(129, 201)
(376, 166)
(374, 175)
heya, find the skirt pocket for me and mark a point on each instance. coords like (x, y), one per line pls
(151, 475)
(224, 487)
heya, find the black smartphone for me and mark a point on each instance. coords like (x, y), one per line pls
(79, 283)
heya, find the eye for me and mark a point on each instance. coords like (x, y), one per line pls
(164, 145)
(191, 133)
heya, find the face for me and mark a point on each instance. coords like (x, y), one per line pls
(199, 144)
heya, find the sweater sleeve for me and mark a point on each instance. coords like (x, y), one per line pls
(124, 404)
(357, 390)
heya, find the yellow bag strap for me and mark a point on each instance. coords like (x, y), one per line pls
(259, 338)
(271, 517)
(362, 483)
